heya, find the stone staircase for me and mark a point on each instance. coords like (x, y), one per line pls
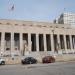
(65, 57)
(39, 56)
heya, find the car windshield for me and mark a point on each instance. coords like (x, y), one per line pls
(32, 58)
(29, 58)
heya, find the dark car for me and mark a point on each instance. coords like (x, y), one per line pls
(48, 59)
(29, 60)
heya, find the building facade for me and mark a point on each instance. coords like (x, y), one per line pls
(25, 37)
(66, 18)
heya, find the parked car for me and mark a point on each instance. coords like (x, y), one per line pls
(29, 60)
(48, 59)
(2, 61)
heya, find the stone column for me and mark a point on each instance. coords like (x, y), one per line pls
(58, 38)
(52, 43)
(2, 42)
(71, 42)
(21, 42)
(37, 42)
(59, 44)
(74, 42)
(65, 43)
(29, 42)
(44, 38)
(12, 42)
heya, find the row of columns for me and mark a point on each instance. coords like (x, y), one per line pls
(45, 46)
(37, 42)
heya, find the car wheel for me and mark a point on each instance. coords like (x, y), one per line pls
(3, 63)
(30, 62)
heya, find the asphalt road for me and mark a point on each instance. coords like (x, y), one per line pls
(63, 68)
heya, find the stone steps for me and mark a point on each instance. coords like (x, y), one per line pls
(65, 57)
(39, 56)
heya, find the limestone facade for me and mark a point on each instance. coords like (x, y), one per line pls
(24, 37)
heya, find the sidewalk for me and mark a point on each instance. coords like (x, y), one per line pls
(59, 58)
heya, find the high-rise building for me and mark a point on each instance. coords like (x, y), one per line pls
(66, 18)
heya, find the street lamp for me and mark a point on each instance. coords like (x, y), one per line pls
(53, 39)
(57, 43)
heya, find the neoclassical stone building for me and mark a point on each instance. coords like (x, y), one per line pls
(25, 37)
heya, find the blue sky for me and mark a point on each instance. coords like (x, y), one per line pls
(35, 10)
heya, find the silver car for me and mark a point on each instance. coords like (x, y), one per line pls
(2, 61)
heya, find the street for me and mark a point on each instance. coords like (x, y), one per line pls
(58, 68)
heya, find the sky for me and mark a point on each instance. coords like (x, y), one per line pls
(35, 10)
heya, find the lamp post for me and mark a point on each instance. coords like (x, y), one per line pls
(53, 40)
(57, 43)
